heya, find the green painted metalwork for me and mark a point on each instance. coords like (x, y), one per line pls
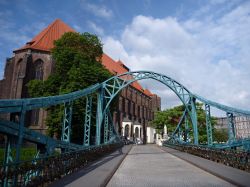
(106, 127)
(113, 86)
(99, 116)
(222, 107)
(208, 125)
(66, 129)
(231, 129)
(106, 92)
(111, 134)
(87, 124)
(178, 127)
(186, 135)
(194, 121)
(112, 131)
(180, 134)
(7, 158)
(32, 173)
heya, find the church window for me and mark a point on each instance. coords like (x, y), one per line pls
(39, 70)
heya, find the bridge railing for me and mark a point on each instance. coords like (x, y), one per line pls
(230, 157)
(13, 127)
(42, 171)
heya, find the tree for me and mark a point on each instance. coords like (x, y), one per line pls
(220, 136)
(168, 117)
(77, 66)
(171, 117)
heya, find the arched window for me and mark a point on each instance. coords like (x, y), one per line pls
(39, 69)
(39, 76)
(137, 132)
(19, 83)
(35, 117)
(127, 130)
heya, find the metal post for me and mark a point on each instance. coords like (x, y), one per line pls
(20, 139)
(178, 128)
(186, 129)
(230, 123)
(208, 125)
(194, 121)
(20, 135)
(87, 123)
(180, 134)
(112, 131)
(99, 116)
(106, 125)
(66, 130)
(7, 158)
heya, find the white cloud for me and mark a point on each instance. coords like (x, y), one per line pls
(209, 56)
(98, 10)
(97, 29)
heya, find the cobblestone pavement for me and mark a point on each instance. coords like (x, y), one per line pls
(148, 165)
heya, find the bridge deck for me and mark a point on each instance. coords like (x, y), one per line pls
(150, 166)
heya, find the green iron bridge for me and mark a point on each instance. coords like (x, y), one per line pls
(48, 166)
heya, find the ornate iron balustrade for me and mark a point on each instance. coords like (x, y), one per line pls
(42, 171)
(229, 157)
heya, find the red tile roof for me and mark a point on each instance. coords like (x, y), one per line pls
(45, 40)
(147, 92)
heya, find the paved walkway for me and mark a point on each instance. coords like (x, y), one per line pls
(148, 165)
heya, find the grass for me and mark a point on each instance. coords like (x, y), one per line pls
(27, 153)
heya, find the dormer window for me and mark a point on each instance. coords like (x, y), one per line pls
(30, 43)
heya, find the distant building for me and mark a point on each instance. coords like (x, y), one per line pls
(221, 123)
(136, 105)
(242, 126)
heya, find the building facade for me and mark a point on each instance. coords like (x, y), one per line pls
(136, 105)
(221, 123)
(241, 126)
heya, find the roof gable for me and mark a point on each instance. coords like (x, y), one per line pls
(45, 40)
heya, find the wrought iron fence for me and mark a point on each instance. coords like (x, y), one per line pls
(230, 157)
(43, 171)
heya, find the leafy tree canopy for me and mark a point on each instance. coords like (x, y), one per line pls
(77, 60)
(170, 118)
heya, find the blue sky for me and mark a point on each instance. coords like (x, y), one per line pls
(204, 44)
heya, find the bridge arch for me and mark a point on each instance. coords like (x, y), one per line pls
(112, 86)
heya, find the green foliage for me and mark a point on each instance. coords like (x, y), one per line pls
(171, 117)
(77, 66)
(168, 117)
(27, 153)
(220, 135)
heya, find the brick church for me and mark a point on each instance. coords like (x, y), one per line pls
(136, 105)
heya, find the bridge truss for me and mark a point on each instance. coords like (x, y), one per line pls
(14, 128)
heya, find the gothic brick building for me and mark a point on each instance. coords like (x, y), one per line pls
(34, 61)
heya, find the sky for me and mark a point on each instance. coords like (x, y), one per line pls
(203, 44)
